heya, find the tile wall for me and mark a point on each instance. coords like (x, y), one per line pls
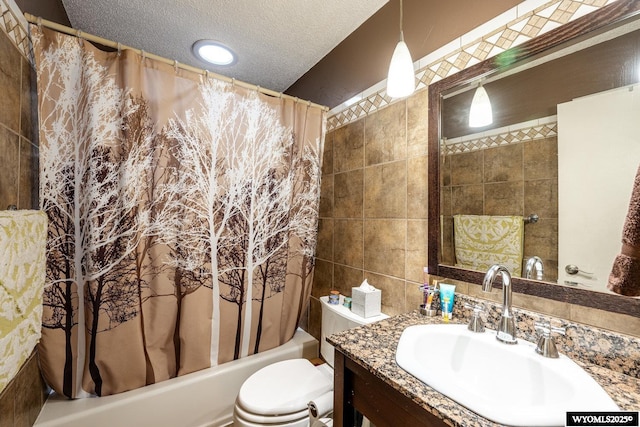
(519, 177)
(373, 207)
(22, 399)
(18, 134)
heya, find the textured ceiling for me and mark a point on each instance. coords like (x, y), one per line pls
(277, 41)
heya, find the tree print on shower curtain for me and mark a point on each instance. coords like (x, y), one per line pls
(182, 217)
(198, 201)
(91, 238)
(234, 173)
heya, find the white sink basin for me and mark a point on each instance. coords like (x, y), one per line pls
(508, 384)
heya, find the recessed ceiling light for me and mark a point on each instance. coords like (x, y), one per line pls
(213, 52)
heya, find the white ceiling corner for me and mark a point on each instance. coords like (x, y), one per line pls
(276, 41)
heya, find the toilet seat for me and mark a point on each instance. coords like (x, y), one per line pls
(278, 394)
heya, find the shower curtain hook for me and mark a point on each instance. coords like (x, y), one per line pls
(39, 21)
(143, 55)
(175, 65)
(233, 82)
(119, 48)
(79, 35)
(206, 74)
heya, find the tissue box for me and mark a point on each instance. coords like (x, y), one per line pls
(366, 303)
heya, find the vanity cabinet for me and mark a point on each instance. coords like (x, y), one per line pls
(357, 388)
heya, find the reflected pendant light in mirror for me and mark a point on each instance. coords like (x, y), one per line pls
(401, 78)
(480, 113)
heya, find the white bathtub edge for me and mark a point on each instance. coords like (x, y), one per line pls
(200, 399)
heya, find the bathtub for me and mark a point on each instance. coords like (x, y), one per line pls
(199, 399)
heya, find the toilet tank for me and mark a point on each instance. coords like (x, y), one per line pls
(337, 318)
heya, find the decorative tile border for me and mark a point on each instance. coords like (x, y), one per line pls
(528, 20)
(528, 131)
(15, 26)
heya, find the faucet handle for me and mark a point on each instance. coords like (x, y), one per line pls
(475, 323)
(546, 328)
(546, 344)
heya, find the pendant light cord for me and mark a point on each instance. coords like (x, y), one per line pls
(401, 32)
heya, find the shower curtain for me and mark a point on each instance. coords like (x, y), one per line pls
(183, 217)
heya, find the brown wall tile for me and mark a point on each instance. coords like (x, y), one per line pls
(545, 306)
(621, 323)
(348, 194)
(379, 202)
(503, 163)
(28, 393)
(467, 200)
(541, 159)
(541, 239)
(326, 196)
(418, 124)
(27, 100)
(541, 198)
(466, 168)
(322, 278)
(416, 250)
(9, 159)
(10, 84)
(327, 154)
(445, 171)
(392, 290)
(384, 240)
(348, 147)
(346, 278)
(28, 181)
(504, 198)
(447, 253)
(413, 296)
(23, 397)
(347, 242)
(324, 249)
(315, 318)
(385, 134)
(417, 187)
(445, 201)
(7, 403)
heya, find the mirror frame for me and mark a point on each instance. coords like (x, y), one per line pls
(607, 15)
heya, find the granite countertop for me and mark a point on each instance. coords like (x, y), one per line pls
(374, 346)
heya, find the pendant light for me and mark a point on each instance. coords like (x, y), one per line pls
(480, 113)
(401, 78)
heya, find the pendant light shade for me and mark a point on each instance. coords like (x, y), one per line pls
(401, 78)
(480, 113)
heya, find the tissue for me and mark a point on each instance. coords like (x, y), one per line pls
(366, 301)
(320, 407)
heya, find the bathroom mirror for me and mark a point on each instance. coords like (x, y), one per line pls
(513, 167)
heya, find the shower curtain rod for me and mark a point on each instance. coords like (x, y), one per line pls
(110, 43)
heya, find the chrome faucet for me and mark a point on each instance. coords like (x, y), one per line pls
(507, 326)
(534, 263)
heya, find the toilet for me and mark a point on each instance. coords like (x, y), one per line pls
(277, 395)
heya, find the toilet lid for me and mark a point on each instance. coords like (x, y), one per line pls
(283, 387)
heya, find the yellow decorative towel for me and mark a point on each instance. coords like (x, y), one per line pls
(22, 274)
(482, 241)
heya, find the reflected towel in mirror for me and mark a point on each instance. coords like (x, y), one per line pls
(625, 274)
(481, 241)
